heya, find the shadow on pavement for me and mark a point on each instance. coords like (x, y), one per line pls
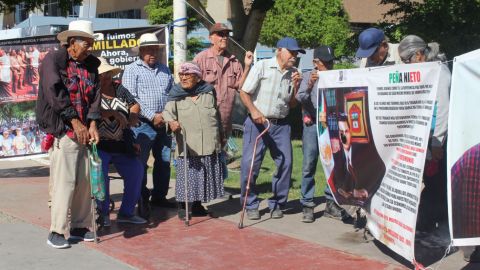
(471, 266)
(35, 171)
(158, 215)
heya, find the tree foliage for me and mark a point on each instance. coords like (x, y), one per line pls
(452, 23)
(17, 111)
(312, 23)
(161, 12)
(9, 5)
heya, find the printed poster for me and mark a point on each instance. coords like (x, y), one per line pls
(463, 151)
(20, 59)
(378, 123)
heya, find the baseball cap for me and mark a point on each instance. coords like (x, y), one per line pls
(219, 27)
(289, 44)
(324, 53)
(369, 40)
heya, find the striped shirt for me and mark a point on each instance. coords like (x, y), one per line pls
(149, 86)
(270, 88)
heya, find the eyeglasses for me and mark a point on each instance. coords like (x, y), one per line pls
(185, 75)
(294, 53)
(222, 34)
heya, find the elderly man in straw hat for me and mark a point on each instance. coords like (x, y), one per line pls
(68, 107)
(149, 81)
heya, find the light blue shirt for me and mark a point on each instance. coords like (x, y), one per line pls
(149, 86)
(270, 88)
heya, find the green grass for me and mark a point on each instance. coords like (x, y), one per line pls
(264, 185)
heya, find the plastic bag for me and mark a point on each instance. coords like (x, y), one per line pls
(97, 181)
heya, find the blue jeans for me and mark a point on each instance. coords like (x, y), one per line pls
(278, 141)
(130, 169)
(160, 143)
(309, 166)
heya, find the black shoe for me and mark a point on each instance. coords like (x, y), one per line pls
(198, 210)
(333, 210)
(474, 256)
(144, 208)
(227, 195)
(181, 213)
(253, 214)
(57, 240)
(276, 213)
(308, 215)
(82, 234)
(360, 220)
(163, 203)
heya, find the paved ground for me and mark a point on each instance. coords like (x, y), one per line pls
(165, 243)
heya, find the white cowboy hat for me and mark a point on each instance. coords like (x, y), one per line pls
(147, 39)
(79, 28)
(106, 67)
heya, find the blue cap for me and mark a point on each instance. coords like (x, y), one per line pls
(369, 40)
(289, 44)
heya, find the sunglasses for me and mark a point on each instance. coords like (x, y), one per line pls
(222, 34)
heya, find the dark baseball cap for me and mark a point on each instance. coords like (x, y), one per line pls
(219, 27)
(369, 40)
(324, 53)
(289, 44)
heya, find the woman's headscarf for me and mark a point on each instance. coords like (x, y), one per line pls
(178, 93)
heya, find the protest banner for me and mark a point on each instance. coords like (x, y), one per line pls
(19, 78)
(378, 122)
(463, 151)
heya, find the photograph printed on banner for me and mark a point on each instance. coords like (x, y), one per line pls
(358, 169)
(465, 174)
(19, 65)
(20, 135)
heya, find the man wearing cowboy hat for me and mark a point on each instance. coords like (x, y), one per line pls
(149, 81)
(68, 106)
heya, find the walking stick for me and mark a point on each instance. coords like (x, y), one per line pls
(94, 223)
(185, 165)
(92, 197)
(240, 224)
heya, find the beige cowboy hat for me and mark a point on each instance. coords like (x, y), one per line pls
(106, 67)
(79, 28)
(147, 39)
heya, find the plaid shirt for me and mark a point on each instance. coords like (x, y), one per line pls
(149, 86)
(270, 87)
(466, 194)
(81, 89)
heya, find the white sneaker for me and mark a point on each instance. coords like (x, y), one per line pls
(133, 219)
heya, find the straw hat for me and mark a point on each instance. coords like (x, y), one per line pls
(78, 28)
(106, 67)
(148, 39)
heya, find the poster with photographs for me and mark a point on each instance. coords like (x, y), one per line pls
(20, 60)
(463, 151)
(378, 125)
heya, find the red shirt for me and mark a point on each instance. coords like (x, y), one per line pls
(225, 78)
(81, 89)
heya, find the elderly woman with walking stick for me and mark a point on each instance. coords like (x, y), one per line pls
(193, 115)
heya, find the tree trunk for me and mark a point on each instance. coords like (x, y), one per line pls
(248, 26)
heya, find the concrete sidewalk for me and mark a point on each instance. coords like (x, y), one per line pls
(165, 243)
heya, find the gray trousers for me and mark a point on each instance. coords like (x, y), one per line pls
(278, 141)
